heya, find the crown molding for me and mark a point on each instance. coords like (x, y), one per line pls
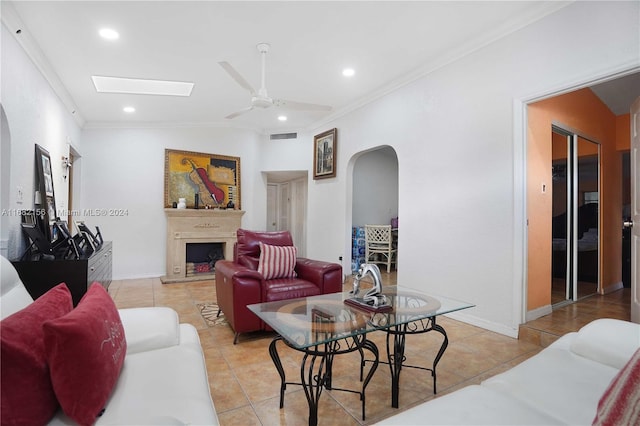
(535, 14)
(21, 34)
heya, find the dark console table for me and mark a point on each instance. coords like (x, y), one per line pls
(41, 275)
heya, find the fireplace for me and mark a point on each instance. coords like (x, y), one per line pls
(201, 258)
(197, 238)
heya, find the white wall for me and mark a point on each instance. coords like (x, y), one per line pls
(123, 168)
(375, 187)
(35, 115)
(459, 142)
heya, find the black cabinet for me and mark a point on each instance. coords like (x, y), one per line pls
(42, 275)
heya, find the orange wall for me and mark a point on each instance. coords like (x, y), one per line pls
(583, 112)
(623, 143)
(623, 132)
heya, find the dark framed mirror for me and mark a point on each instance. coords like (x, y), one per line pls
(45, 200)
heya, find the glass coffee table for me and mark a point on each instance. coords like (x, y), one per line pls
(324, 326)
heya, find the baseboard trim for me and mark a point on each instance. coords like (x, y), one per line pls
(537, 313)
(135, 277)
(613, 287)
(482, 323)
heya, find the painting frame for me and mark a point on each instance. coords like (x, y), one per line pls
(324, 154)
(215, 178)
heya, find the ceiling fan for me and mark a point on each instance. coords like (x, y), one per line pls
(261, 99)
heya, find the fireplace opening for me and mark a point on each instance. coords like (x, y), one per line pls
(202, 257)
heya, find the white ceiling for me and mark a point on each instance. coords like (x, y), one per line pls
(388, 43)
(620, 93)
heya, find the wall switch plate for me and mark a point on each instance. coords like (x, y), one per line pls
(544, 188)
(19, 195)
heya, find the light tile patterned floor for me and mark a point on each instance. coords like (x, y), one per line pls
(245, 385)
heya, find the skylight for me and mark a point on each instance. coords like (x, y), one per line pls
(141, 86)
(109, 34)
(348, 72)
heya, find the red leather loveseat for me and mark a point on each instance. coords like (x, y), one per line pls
(238, 282)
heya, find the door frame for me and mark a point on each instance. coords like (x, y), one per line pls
(634, 152)
(520, 223)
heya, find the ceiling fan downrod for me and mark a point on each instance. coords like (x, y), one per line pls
(263, 48)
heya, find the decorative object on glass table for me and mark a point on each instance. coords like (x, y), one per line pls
(373, 299)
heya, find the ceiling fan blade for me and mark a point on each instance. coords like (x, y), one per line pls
(236, 76)
(300, 105)
(237, 113)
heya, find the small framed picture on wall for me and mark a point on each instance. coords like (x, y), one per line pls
(324, 154)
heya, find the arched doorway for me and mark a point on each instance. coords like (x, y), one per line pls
(374, 195)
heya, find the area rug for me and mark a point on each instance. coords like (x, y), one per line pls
(209, 312)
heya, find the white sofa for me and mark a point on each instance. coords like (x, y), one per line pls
(164, 376)
(560, 385)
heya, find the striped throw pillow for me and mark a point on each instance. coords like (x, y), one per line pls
(277, 261)
(620, 403)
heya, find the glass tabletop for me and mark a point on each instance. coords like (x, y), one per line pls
(315, 320)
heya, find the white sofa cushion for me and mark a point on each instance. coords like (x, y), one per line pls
(608, 341)
(150, 328)
(144, 397)
(564, 385)
(13, 295)
(472, 405)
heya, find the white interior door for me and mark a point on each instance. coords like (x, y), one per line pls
(284, 202)
(635, 211)
(272, 207)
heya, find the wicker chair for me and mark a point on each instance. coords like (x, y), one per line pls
(379, 247)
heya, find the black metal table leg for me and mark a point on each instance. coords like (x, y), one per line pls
(313, 382)
(396, 356)
(316, 370)
(374, 350)
(443, 347)
(273, 351)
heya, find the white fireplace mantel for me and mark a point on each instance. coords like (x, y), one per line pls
(186, 226)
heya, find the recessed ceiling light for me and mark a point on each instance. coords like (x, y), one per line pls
(141, 87)
(348, 72)
(129, 109)
(282, 117)
(109, 34)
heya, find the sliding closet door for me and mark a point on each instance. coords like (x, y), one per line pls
(588, 218)
(575, 222)
(560, 226)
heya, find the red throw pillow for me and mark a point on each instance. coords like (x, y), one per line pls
(277, 261)
(27, 394)
(86, 350)
(620, 403)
